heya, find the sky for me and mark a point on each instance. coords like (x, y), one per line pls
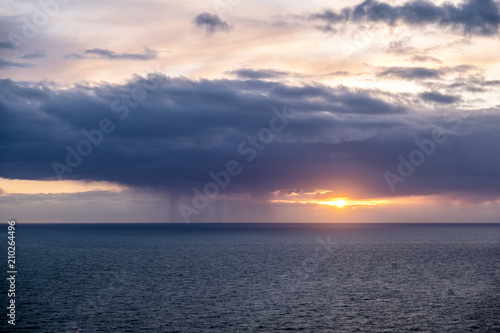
(249, 111)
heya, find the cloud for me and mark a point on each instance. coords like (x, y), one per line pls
(84, 207)
(411, 73)
(472, 17)
(420, 73)
(248, 73)
(35, 55)
(419, 58)
(491, 83)
(432, 96)
(211, 23)
(258, 74)
(473, 82)
(4, 64)
(108, 54)
(6, 45)
(340, 139)
(400, 47)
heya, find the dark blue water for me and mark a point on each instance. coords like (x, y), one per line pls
(248, 278)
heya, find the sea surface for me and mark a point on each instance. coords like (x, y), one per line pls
(256, 278)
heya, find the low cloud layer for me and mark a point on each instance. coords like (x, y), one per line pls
(175, 131)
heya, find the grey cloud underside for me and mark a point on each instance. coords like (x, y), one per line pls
(260, 74)
(248, 73)
(474, 82)
(4, 64)
(6, 45)
(35, 55)
(423, 73)
(418, 58)
(211, 23)
(184, 129)
(439, 98)
(473, 17)
(108, 54)
(411, 73)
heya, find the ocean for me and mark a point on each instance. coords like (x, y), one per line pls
(256, 278)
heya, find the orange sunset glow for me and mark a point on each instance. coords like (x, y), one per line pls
(325, 198)
(336, 202)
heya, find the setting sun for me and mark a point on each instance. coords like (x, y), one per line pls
(340, 203)
(321, 197)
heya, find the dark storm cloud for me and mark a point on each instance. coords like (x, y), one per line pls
(439, 98)
(474, 17)
(211, 23)
(183, 129)
(108, 54)
(4, 64)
